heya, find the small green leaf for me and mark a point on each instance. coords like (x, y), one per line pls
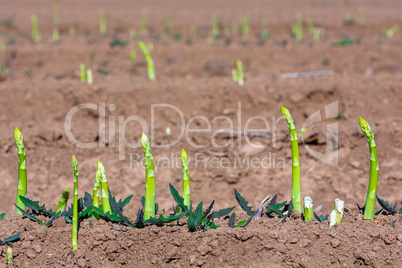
(179, 200)
(27, 214)
(2, 216)
(243, 203)
(231, 222)
(162, 219)
(11, 239)
(220, 213)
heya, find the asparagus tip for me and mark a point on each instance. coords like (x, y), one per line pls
(308, 202)
(66, 193)
(74, 162)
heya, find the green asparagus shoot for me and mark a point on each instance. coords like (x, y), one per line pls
(102, 22)
(240, 72)
(316, 33)
(104, 189)
(389, 32)
(89, 77)
(9, 255)
(36, 37)
(150, 63)
(149, 204)
(72, 31)
(245, 27)
(133, 34)
(297, 29)
(361, 18)
(235, 76)
(215, 27)
(296, 191)
(56, 14)
(310, 25)
(186, 178)
(56, 35)
(2, 46)
(144, 19)
(22, 170)
(339, 208)
(374, 168)
(82, 72)
(193, 31)
(133, 56)
(63, 201)
(95, 197)
(75, 204)
(332, 218)
(308, 208)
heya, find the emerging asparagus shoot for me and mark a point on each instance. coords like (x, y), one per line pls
(89, 77)
(308, 208)
(296, 192)
(104, 189)
(63, 201)
(337, 213)
(9, 255)
(149, 204)
(186, 179)
(35, 29)
(102, 22)
(95, 197)
(374, 168)
(22, 170)
(82, 72)
(75, 204)
(150, 63)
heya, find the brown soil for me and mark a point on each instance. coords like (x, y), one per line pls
(41, 84)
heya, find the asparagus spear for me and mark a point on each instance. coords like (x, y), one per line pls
(374, 168)
(63, 200)
(308, 208)
(105, 189)
(148, 58)
(186, 178)
(9, 255)
(95, 197)
(296, 192)
(75, 204)
(240, 72)
(22, 170)
(149, 206)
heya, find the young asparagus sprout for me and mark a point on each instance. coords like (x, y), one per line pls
(245, 26)
(186, 178)
(297, 29)
(104, 189)
(63, 201)
(296, 192)
(240, 72)
(133, 56)
(56, 35)
(35, 29)
(89, 77)
(337, 213)
(144, 18)
(235, 76)
(150, 63)
(22, 170)
(149, 206)
(339, 208)
(9, 255)
(374, 168)
(308, 208)
(102, 22)
(75, 204)
(56, 14)
(95, 197)
(82, 72)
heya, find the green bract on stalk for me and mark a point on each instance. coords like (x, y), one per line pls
(296, 192)
(95, 197)
(75, 204)
(186, 178)
(102, 22)
(149, 203)
(82, 72)
(374, 168)
(308, 208)
(22, 170)
(104, 189)
(63, 201)
(9, 255)
(150, 63)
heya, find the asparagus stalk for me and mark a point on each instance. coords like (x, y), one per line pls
(35, 29)
(296, 192)
(63, 201)
(149, 206)
(332, 218)
(105, 189)
(82, 72)
(102, 22)
(240, 76)
(22, 170)
(308, 208)
(75, 204)
(89, 77)
(56, 35)
(150, 62)
(339, 208)
(9, 255)
(95, 197)
(186, 178)
(374, 168)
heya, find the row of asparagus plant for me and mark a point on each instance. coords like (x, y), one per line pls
(196, 219)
